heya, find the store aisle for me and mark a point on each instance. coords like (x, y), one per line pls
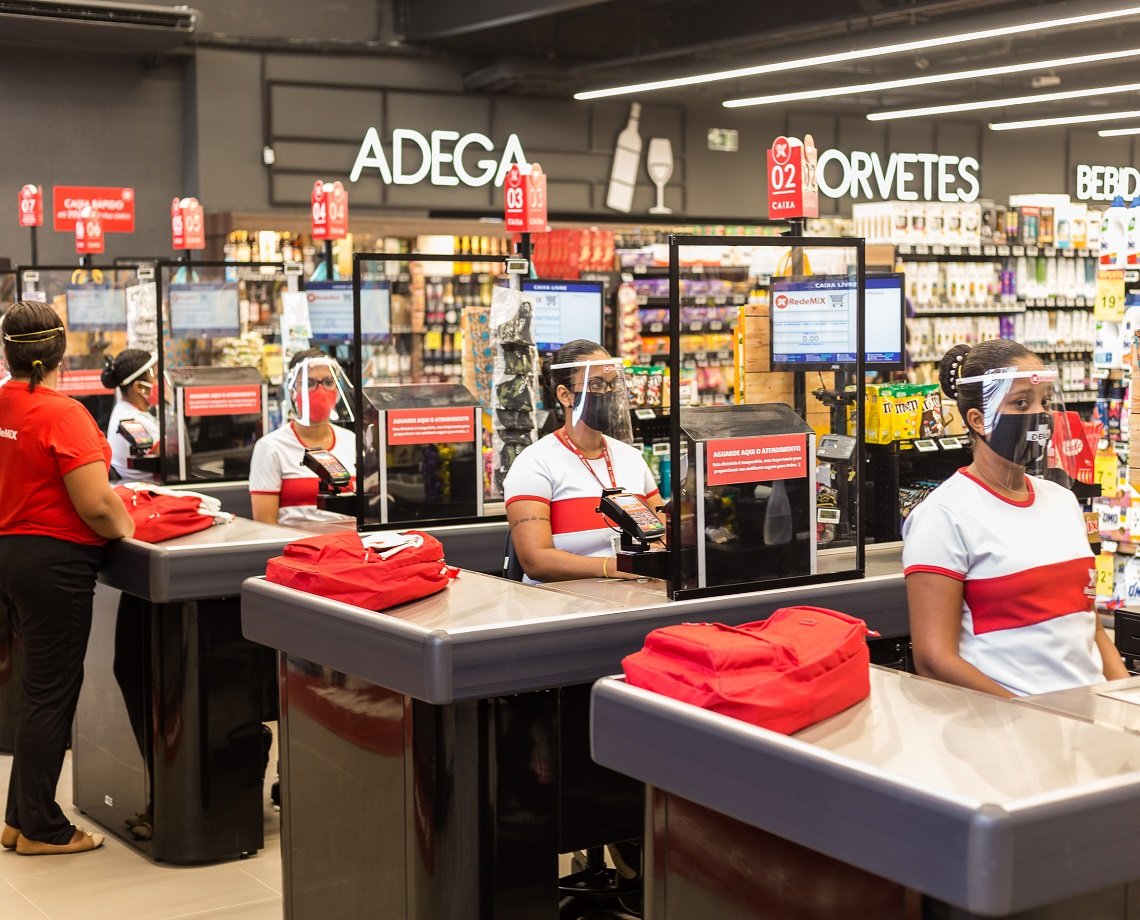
(116, 883)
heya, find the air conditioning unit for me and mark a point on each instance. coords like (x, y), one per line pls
(95, 25)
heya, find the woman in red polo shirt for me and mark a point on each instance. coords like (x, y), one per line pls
(57, 511)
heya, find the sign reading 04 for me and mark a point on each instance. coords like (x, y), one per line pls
(442, 158)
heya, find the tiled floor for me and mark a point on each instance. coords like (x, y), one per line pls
(116, 883)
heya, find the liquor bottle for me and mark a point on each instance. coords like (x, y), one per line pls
(627, 160)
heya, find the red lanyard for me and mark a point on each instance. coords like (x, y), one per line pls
(570, 446)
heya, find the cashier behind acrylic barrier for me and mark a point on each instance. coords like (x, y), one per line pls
(999, 575)
(553, 487)
(131, 374)
(282, 490)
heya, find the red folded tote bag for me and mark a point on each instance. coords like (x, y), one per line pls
(163, 515)
(338, 566)
(799, 666)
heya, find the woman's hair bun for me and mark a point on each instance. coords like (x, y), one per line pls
(107, 378)
(950, 369)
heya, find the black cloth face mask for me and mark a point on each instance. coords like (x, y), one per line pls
(1021, 439)
(598, 411)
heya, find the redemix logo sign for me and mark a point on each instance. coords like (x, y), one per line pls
(443, 159)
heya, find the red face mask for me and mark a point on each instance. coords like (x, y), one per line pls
(321, 404)
(152, 395)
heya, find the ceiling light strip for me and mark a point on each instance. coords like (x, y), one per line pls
(1063, 120)
(1118, 132)
(1003, 103)
(932, 78)
(863, 53)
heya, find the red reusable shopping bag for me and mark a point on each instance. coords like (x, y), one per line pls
(164, 515)
(799, 666)
(338, 566)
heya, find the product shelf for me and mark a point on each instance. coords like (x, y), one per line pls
(988, 310)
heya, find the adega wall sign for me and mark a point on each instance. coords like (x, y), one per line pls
(901, 176)
(444, 158)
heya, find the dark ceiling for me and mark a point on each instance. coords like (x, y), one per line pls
(558, 47)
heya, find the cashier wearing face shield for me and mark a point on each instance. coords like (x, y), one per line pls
(132, 430)
(283, 490)
(999, 574)
(554, 486)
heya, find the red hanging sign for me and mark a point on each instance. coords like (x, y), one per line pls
(329, 211)
(187, 224)
(792, 189)
(116, 206)
(89, 233)
(31, 204)
(524, 199)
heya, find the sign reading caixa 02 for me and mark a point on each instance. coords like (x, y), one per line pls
(898, 176)
(444, 158)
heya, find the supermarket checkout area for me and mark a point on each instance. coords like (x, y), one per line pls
(924, 800)
(436, 756)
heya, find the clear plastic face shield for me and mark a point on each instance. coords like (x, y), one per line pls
(147, 381)
(318, 391)
(1023, 413)
(600, 397)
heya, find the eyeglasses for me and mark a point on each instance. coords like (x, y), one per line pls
(599, 385)
(329, 383)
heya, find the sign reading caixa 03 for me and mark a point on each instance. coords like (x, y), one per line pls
(898, 176)
(444, 158)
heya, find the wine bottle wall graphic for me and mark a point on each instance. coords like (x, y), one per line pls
(627, 159)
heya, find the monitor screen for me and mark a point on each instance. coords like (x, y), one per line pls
(564, 311)
(331, 310)
(813, 322)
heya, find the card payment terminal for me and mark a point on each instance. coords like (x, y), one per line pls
(330, 471)
(636, 519)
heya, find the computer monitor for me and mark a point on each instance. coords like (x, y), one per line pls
(813, 328)
(331, 310)
(564, 311)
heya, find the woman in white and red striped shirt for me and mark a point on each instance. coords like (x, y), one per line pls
(999, 574)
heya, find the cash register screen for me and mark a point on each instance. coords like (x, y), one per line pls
(564, 311)
(813, 322)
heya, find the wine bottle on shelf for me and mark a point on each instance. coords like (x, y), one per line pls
(627, 161)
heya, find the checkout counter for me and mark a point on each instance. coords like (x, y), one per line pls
(924, 792)
(435, 756)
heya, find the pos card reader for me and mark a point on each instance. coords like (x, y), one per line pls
(640, 527)
(137, 437)
(334, 493)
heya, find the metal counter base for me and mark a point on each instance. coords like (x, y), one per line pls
(169, 751)
(989, 808)
(396, 808)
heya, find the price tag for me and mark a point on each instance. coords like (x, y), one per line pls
(949, 443)
(1109, 296)
(921, 250)
(974, 250)
(1133, 519)
(955, 250)
(1003, 250)
(940, 250)
(1017, 250)
(644, 415)
(1105, 569)
(1031, 250)
(925, 445)
(1050, 252)
(828, 515)
(1066, 253)
(990, 250)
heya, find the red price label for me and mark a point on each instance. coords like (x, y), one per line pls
(187, 224)
(790, 193)
(31, 205)
(329, 211)
(89, 234)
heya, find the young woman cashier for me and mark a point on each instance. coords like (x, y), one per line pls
(282, 490)
(999, 573)
(553, 487)
(57, 511)
(132, 374)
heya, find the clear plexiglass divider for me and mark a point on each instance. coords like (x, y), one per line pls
(769, 489)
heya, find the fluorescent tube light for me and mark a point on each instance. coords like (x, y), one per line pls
(863, 53)
(1118, 132)
(931, 78)
(1064, 120)
(1003, 103)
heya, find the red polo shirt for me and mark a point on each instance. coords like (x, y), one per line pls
(43, 436)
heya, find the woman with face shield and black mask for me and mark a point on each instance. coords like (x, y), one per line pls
(553, 488)
(282, 490)
(132, 374)
(999, 574)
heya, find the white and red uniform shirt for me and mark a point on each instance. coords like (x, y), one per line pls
(276, 470)
(1026, 569)
(550, 472)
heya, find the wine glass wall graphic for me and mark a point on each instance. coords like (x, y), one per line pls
(659, 163)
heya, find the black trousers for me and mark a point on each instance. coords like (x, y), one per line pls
(47, 586)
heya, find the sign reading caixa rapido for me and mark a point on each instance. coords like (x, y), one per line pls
(444, 158)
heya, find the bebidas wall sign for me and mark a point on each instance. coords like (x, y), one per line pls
(444, 158)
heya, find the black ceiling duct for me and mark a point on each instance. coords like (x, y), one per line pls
(95, 25)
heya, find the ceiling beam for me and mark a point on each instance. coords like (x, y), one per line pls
(425, 20)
